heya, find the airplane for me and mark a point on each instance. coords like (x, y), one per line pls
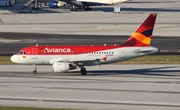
(64, 58)
(77, 5)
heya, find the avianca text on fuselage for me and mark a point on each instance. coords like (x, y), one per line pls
(56, 50)
(65, 58)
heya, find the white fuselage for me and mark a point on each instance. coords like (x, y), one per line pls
(113, 55)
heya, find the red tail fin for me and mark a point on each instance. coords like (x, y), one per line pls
(143, 35)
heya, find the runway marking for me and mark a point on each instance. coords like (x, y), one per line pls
(94, 102)
(15, 41)
(115, 90)
(95, 89)
(167, 27)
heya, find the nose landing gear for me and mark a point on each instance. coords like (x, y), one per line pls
(35, 69)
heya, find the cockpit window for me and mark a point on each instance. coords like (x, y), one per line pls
(21, 52)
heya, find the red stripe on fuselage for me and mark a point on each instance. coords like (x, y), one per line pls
(65, 50)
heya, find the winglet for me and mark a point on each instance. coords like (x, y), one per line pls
(143, 35)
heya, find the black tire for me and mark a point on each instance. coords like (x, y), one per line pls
(83, 71)
(34, 72)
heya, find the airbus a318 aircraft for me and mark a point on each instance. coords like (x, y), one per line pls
(76, 5)
(65, 58)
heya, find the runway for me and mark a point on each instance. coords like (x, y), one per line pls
(106, 87)
(137, 87)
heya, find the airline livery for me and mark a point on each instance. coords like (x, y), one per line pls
(64, 58)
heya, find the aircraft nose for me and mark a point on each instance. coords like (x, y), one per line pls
(14, 59)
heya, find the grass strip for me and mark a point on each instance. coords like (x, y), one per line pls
(5, 60)
(150, 59)
(154, 59)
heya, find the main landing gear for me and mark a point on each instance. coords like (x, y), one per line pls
(74, 8)
(83, 71)
(35, 69)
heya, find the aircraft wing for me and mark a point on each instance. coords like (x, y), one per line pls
(80, 61)
(85, 62)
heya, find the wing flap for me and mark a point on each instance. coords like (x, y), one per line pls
(83, 60)
(79, 62)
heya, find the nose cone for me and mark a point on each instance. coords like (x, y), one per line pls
(14, 59)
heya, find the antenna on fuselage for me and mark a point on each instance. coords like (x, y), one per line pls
(105, 44)
(36, 45)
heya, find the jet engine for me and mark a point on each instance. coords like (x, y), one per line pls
(56, 4)
(62, 67)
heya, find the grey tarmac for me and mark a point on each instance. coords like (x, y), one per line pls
(137, 87)
(109, 87)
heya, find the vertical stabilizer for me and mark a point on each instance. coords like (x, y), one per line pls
(143, 35)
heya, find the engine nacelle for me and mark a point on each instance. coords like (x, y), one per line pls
(56, 4)
(62, 67)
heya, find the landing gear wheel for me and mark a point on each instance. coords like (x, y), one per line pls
(34, 72)
(35, 69)
(83, 71)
